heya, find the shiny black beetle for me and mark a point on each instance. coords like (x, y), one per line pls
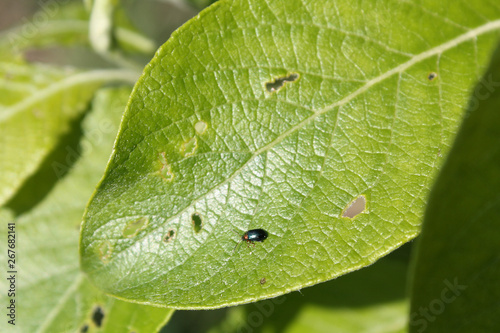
(252, 236)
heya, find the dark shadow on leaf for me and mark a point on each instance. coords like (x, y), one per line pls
(459, 243)
(52, 169)
(194, 321)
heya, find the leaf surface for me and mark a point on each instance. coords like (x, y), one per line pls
(322, 122)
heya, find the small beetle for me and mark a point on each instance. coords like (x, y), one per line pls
(252, 236)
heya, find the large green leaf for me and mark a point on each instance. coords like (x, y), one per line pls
(281, 115)
(37, 104)
(52, 295)
(455, 283)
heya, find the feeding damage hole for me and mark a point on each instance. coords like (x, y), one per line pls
(279, 83)
(97, 316)
(355, 207)
(133, 227)
(197, 222)
(200, 127)
(105, 251)
(188, 148)
(165, 171)
(432, 76)
(169, 236)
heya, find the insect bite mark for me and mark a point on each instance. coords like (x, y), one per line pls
(188, 148)
(197, 222)
(355, 207)
(133, 227)
(280, 82)
(105, 251)
(432, 76)
(98, 316)
(165, 170)
(169, 236)
(200, 127)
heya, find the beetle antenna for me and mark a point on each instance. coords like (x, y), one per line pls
(237, 245)
(236, 232)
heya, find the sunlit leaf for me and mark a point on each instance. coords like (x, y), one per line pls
(322, 122)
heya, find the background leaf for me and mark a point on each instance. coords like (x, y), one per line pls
(455, 282)
(52, 294)
(280, 115)
(38, 104)
(62, 24)
(66, 25)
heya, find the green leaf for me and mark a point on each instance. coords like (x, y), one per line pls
(288, 116)
(52, 294)
(37, 106)
(455, 283)
(370, 300)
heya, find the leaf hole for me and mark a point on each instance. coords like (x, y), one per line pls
(280, 82)
(97, 316)
(197, 222)
(169, 236)
(105, 251)
(432, 76)
(200, 127)
(188, 148)
(165, 170)
(355, 207)
(133, 227)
